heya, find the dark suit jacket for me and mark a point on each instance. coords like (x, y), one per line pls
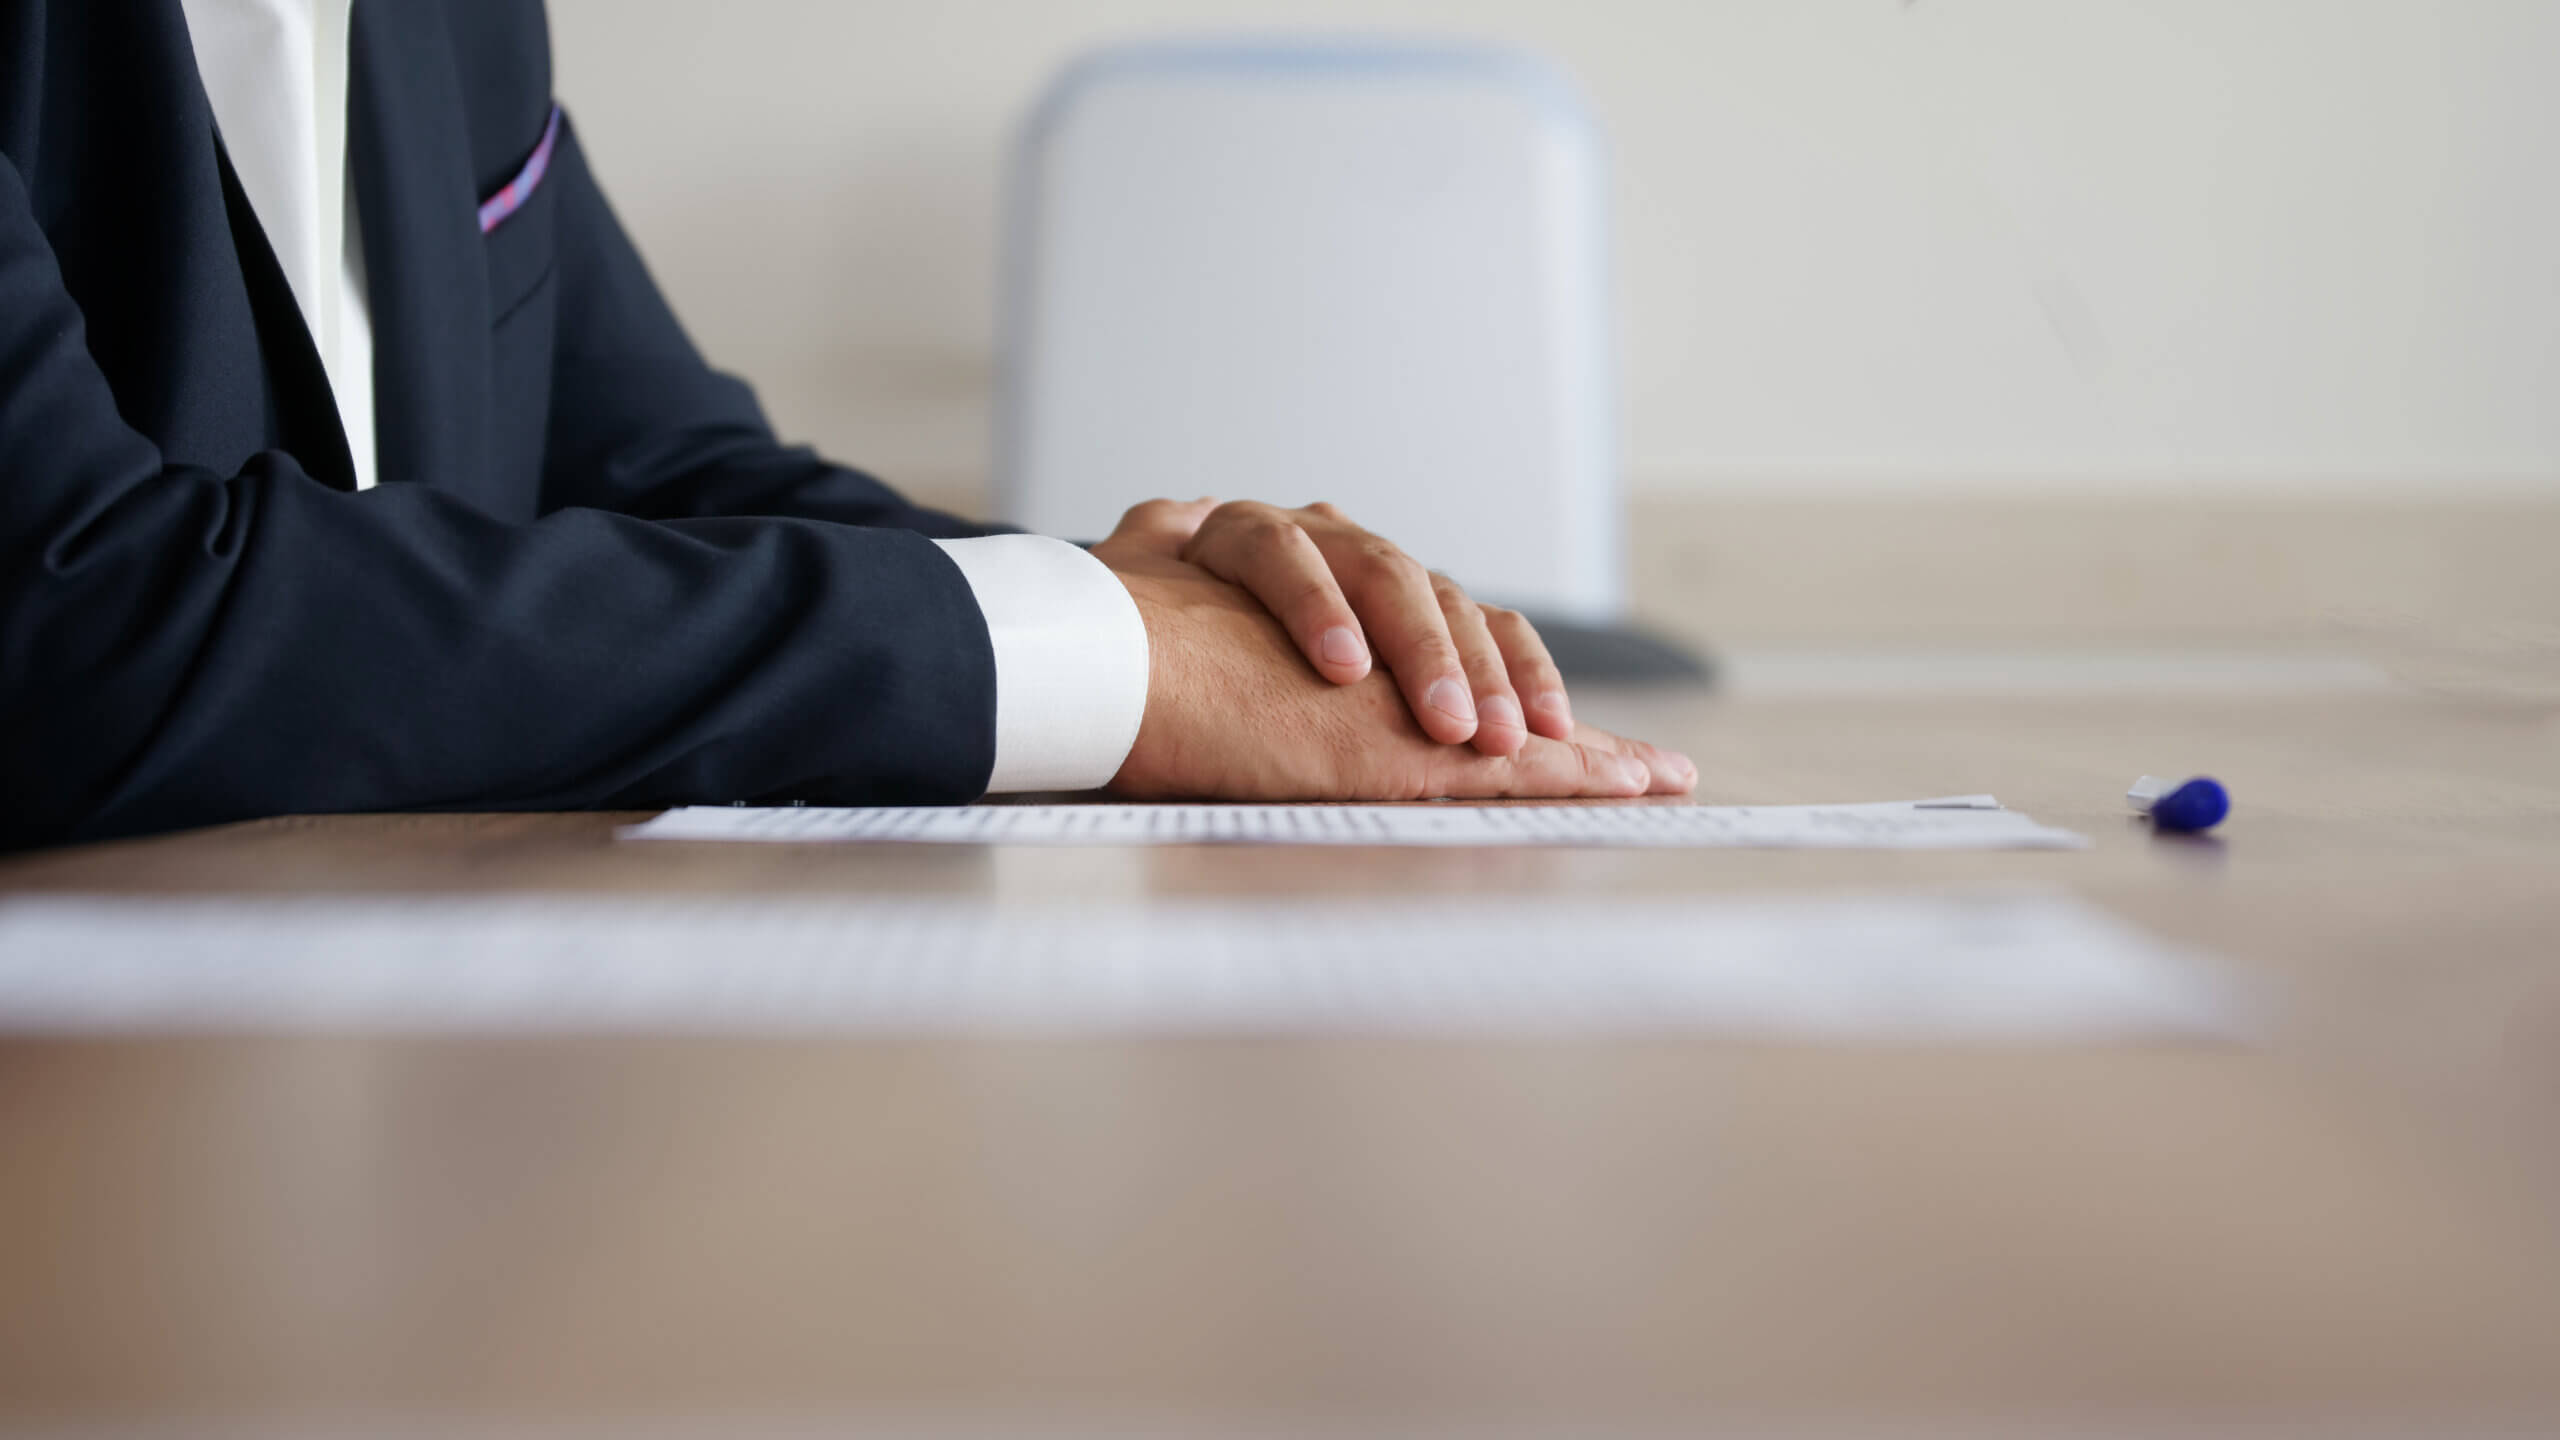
(589, 575)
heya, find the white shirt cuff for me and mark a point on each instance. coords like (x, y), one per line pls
(1071, 660)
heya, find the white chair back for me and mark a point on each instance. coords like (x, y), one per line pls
(1356, 271)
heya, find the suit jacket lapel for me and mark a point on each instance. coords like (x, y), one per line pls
(306, 410)
(417, 200)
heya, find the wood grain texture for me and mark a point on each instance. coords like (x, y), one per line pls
(2355, 1216)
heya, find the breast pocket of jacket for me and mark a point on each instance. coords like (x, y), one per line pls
(516, 229)
(517, 232)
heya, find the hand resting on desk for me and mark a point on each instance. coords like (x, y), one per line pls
(1234, 712)
(1472, 673)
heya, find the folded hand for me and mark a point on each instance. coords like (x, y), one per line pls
(1234, 712)
(1470, 672)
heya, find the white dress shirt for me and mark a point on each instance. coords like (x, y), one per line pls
(1070, 648)
(276, 71)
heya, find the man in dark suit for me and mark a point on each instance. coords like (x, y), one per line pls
(350, 460)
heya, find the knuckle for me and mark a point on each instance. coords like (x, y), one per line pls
(1323, 509)
(1267, 535)
(1520, 638)
(1438, 652)
(1597, 764)
(1538, 770)
(1380, 552)
(1314, 596)
(1457, 604)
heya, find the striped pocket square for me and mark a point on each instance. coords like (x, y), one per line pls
(512, 195)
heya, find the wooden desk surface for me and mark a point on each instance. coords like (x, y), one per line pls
(2358, 1217)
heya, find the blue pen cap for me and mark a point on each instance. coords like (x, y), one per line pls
(2199, 804)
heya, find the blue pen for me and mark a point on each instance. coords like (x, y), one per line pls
(2199, 804)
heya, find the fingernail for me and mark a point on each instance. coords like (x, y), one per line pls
(1450, 698)
(1341, 647)
(1638, 774)
(1681, 765)
(1553, 703)
(1501, 710)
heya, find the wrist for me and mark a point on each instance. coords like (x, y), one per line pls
(1071, 660)
(1148, 593)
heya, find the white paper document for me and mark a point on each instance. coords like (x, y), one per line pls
(1956, 822)
(2022, 967)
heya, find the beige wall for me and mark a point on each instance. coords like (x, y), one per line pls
(2094, 244)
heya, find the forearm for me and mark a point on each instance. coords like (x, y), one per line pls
(396, 650)
(179, 646)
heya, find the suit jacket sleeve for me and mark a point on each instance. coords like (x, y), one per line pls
(641, 425)
(179, 646)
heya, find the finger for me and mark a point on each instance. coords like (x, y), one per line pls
(1534, 677)
(1544, 769)
(1163, 524)
(1400, 613)
(1500, 726)
(1261, 549)
(1673, 773)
